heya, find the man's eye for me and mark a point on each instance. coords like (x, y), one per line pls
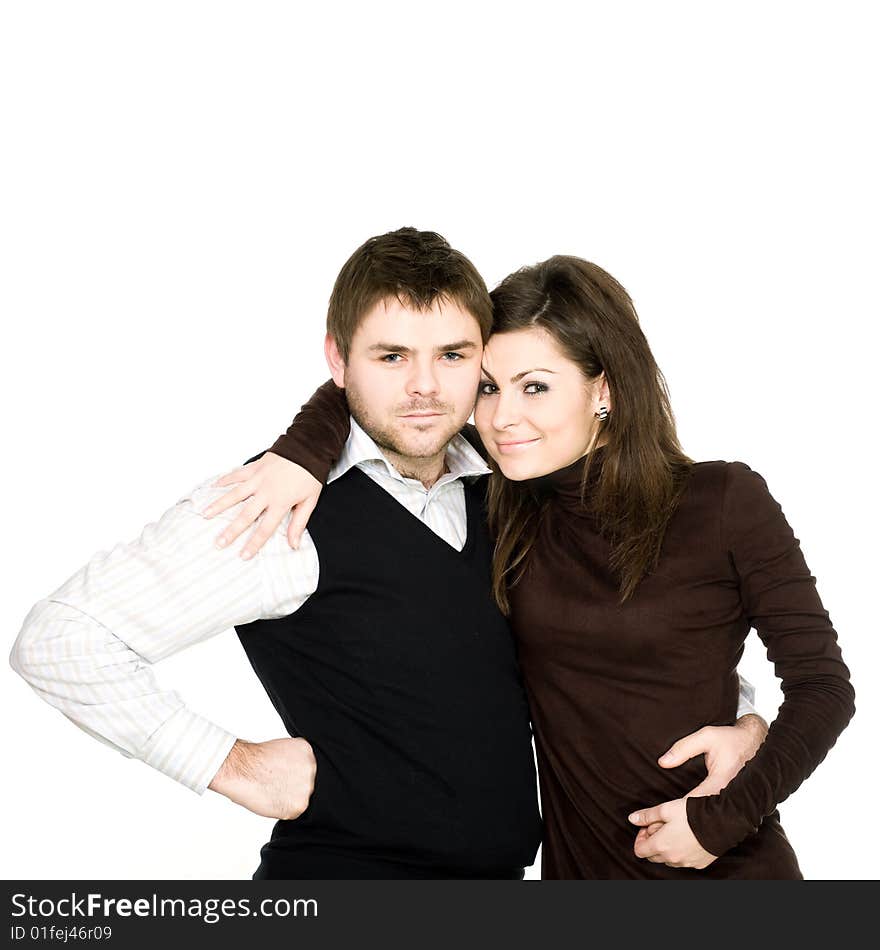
(453, 357)
(392, 358)
(487, 389)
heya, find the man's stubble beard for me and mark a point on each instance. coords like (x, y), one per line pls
(390, 440)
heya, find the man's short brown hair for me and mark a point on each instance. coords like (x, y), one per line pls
(416, 267)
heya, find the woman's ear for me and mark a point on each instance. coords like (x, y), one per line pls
(334, 361)
(602, 393)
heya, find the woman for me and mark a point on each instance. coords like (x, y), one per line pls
(632, 576)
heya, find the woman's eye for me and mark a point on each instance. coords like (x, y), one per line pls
(487, 389)
(532, 389)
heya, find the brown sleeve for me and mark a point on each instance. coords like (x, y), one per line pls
(780, 600)
(318, 433)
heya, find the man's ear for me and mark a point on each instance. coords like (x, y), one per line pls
(334, 361)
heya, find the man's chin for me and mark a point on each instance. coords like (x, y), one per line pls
(420, 445)
(420, 448)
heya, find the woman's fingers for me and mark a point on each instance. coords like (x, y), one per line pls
(249, 513)
(272, 517)
(645, 833)
(232, 497)
(236, 475)
(645, 847)
(246, 480)
(270, 487)
(650, 816)
(299, 520)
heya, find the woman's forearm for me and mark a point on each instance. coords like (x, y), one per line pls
(781, 602)
(318, 433)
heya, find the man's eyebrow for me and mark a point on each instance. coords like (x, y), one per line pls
(389, 348)
(458, 345)
(446, 348)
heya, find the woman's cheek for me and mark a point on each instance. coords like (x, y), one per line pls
(482, 418)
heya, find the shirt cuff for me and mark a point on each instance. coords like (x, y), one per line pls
(188, 748)
(745, 707)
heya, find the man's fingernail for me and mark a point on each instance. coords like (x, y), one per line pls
(635, 817)
(666, 757)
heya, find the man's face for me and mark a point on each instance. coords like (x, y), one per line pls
(411, 376)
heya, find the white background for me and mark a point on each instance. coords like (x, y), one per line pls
(180, 184)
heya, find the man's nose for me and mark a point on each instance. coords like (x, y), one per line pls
(422, 380)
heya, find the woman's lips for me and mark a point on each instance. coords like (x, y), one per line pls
(506, 448)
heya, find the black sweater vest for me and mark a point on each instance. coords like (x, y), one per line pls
(401, 673)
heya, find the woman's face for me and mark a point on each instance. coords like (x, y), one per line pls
(535, 408)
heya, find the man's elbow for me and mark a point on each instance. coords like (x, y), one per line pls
(20, 660)
(25, 652)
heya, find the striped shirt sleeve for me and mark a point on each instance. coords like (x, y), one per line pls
(745, 705)
(89, 648)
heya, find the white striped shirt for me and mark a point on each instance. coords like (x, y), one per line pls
(89, 647)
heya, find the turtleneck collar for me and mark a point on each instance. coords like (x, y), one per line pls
(565, 484)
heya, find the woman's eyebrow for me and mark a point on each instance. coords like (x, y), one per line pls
(525, 372)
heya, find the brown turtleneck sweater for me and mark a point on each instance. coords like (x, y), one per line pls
(612, 686)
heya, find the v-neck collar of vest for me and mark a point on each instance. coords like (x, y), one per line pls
(471, 509)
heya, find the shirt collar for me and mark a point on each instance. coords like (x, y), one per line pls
(462, 459)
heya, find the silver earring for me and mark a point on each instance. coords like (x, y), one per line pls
(602, 414)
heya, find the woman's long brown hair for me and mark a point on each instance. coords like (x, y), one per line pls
(644, 470)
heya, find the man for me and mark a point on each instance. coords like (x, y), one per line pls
(376, 639)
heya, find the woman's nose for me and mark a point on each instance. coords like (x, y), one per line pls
(506, 412)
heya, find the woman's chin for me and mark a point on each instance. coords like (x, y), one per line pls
(520, 470)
